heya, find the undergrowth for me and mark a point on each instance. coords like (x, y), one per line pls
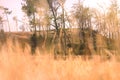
(18, 65)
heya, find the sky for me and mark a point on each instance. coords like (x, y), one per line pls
(15, 6)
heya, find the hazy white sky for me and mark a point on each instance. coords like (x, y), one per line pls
(15, 6)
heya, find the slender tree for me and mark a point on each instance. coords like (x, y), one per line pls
(82, 17)
(1, 23)
(6, 12)
(54, 6)
(15, 19)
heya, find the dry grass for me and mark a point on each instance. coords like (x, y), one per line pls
(16, 65)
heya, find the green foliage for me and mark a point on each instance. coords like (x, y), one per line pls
(94, 33)
(110, 44)
(28, 6)
(2, 38)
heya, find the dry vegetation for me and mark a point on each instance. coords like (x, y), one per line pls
(82, 44)
(96, 35)
(18, 65)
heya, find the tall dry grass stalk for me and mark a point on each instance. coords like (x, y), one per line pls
(18, 65)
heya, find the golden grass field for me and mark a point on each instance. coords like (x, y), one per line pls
(18, 65)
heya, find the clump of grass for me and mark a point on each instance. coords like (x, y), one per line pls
(18, 65)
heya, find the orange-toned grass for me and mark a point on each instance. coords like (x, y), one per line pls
(18, 65)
